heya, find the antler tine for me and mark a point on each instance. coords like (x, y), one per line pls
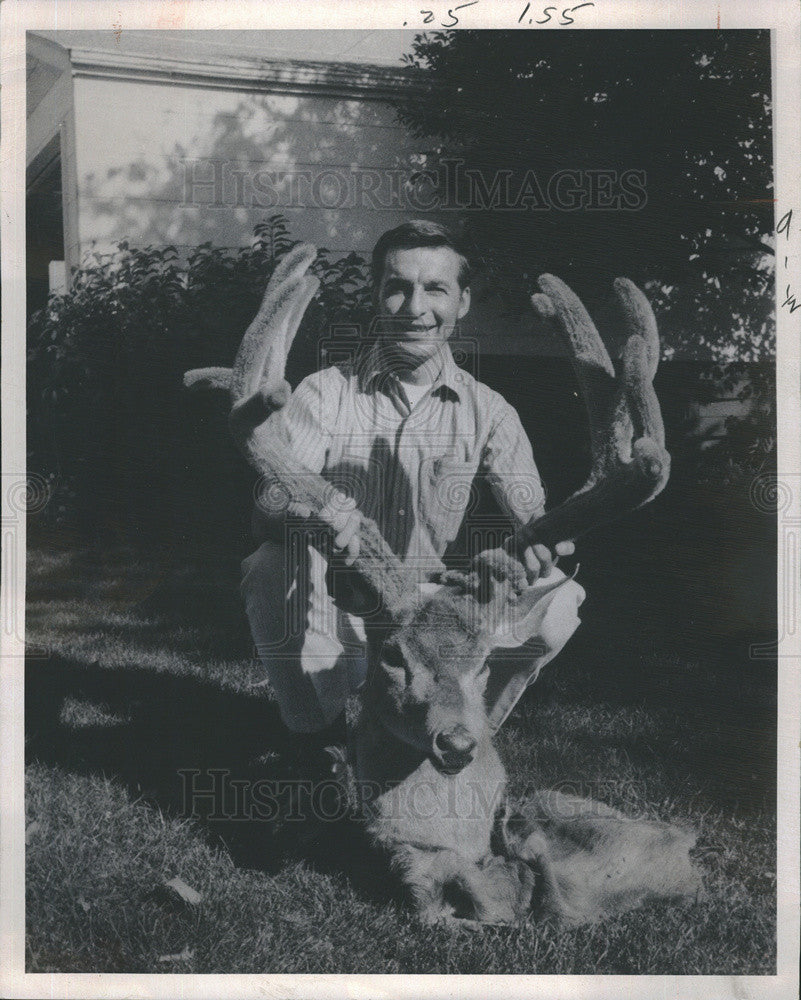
(638, 319)
(208, 378)
(264, 348)
(257, 373)
(588, 352)
(263, 365)
(629, 462)
(607, 415)
(639, 392)
(272, 390)
(640, 360)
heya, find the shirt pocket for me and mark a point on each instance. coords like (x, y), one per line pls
(447, 493)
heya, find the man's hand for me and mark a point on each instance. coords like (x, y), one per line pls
(539, 560)
(341, 515)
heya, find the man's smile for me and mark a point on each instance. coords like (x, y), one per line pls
(402, 333)
(397, 325)
(413, 332)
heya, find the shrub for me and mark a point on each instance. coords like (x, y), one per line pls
(126, 449)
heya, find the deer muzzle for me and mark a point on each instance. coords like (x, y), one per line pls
(453, 750)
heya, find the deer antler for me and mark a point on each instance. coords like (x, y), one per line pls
(630, 465)
(258, 389)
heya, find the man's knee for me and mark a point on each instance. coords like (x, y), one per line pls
(265, 566)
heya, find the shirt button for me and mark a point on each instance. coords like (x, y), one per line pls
(402, 512)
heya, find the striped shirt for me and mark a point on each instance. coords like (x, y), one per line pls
(413, 469)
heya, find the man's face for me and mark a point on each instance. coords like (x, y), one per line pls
(419, 299)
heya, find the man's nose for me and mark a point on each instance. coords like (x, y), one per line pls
(415, 302)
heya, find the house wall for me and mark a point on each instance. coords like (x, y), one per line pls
(160, 164)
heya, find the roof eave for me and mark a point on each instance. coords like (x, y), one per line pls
(345, 80)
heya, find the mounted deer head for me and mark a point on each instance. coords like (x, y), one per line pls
(428, 657)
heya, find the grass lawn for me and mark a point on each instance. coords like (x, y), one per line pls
(139, 669)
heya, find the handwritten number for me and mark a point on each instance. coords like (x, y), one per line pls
(784, 225)
(549, 13)
(452, 15)
(791, 302)
(565, 18)
(570, 10)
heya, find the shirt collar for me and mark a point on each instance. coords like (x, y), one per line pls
(448, 379)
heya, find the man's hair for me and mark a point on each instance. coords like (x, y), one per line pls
(418, 233)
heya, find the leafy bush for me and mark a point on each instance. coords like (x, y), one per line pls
(126, 449)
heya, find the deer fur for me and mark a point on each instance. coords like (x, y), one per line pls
(432, 784)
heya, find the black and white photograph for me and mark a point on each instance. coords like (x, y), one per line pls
(403, 498)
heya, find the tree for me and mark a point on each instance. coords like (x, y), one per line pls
(683, 116)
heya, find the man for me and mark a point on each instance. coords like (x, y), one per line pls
(402, 431)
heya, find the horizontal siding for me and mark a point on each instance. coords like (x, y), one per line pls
(141, 223)
(135, 142)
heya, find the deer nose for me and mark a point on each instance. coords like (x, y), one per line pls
(456, 746)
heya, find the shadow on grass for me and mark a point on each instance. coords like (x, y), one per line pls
(713, 711)
(196, 750)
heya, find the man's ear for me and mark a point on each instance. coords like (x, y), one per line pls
(464, 303)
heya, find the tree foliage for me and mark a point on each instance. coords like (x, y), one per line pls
(690, 109)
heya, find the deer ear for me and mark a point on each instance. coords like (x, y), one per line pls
(547, 608)
(550, 621)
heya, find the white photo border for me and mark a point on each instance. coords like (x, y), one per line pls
(783, 18)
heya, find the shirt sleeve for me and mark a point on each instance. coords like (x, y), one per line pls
(508, 463)
(305, 423)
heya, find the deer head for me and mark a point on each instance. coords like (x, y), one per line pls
(428, 650)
